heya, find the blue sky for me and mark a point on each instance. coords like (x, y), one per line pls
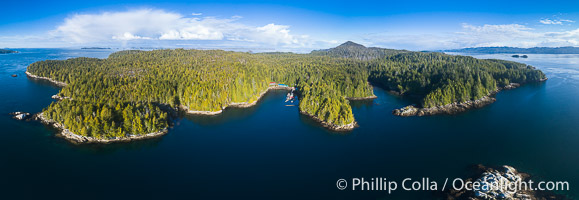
(298, 26)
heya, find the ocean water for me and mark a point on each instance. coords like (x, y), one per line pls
(270, 151)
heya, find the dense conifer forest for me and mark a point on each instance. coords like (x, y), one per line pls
(129, 92)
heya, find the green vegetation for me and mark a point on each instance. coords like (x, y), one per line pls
(357, 51)
(131, 91)
(439, 79)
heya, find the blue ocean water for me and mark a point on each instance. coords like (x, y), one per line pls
(270, 151)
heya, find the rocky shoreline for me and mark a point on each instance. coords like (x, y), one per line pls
(61, 84)
(361, 98)
(455, 107)
(234, 104)
(333, 127)
(494, 184)
(69, 135)
(452, 108)
(84, 139)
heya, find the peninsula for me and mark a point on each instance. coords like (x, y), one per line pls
(7, 51)
(131, 93)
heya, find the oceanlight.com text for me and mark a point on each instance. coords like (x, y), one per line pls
(428, 184)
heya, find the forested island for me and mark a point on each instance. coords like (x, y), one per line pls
(534, 50)
(7, 51)
(133, 93)
(95, 48)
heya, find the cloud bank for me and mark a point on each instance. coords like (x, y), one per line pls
(150, 24)
(554, 21)
(159, 28)
(488, 35)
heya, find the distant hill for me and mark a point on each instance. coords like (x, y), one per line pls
(95, 48)
(6, 51)
(357, 51)
(534, 50)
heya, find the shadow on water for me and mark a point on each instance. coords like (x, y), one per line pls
(366, 103)
(94, 148)
(43, 82)
(230, 114)
(112, 148)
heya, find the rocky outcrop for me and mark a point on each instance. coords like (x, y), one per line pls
(333, 127)
(500, 183)
(452, 108)
(20, 115)
(69, 135)
(512, 86)
(361, 98)
(59, 97)
(61, 84)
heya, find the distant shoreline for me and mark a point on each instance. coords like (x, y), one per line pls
(6, 51)
(515, 50)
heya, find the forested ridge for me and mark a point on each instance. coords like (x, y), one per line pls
(123, 94)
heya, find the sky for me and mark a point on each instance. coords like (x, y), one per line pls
(296, 26)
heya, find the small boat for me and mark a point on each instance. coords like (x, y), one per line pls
(14, 75)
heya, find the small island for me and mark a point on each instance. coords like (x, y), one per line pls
(95, 48)
(136, 94)
(510, 50)
(504, 182)
(7, 51)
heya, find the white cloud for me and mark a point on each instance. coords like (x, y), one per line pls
(129, 36)
(554, 21)
(151, 24)
(488, 35)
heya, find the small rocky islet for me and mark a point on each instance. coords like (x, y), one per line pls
(490, 181)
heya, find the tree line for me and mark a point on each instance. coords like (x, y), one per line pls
(125, 93)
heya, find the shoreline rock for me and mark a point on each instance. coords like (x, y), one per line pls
(361, 98)
(20, 115)
(454, 108)
(333, 127)
(61, 84)
(70, 136)
(494, 184)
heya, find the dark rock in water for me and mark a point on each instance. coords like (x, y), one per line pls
(499, 183)
(524, 56)
(14, 75)
(515, 56)
(20, 115)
